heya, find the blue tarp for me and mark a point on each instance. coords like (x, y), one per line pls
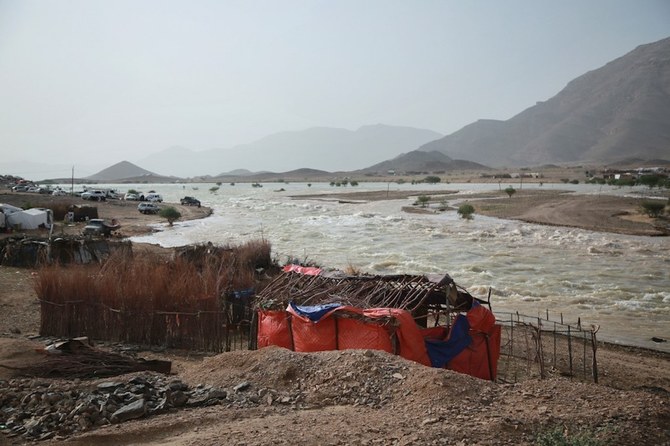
(441, 352)
(313, 312)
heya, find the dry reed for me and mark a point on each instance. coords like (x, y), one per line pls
(183, 302)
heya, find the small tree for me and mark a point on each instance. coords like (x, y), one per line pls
(423, 200)
(510, 191)
(432, 179)
(651, 181)
(466, 210)
(653, 208)
(170, 214)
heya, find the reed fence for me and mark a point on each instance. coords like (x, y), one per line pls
(148, 300)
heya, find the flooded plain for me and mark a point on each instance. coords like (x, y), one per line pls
(619, 282)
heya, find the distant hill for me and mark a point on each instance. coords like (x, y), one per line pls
(621, 110)
(236, 173)
(121, 171)
(419, 161)
(292, 175)
(321, 148)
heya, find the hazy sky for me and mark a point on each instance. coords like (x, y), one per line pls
(130, 78)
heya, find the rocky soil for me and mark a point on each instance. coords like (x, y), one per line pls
(339, 397)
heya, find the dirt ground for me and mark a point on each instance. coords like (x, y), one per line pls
(604, 213)
(125, 212)
(368, 397)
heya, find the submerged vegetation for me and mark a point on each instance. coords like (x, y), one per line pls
(466, 210)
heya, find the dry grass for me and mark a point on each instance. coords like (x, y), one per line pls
(150, 300)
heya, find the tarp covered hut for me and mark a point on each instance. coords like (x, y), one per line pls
(30, 219)
(427, 319)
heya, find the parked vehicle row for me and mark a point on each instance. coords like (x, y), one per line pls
(140, 196)
(33, 189)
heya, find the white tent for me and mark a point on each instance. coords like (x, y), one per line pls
(9, 209)
(30, 219)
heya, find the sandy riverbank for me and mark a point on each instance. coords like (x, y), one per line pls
(606, 213)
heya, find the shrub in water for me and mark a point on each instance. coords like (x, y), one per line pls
(466, 210)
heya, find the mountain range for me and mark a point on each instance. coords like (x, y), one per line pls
(323, 148)
(618, 111)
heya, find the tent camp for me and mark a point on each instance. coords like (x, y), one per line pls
(432, 322)
(30, 219)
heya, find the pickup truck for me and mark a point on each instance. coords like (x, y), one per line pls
(96, 195)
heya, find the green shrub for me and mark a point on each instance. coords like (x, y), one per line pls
(653, 208)
(651, 181)
(466, 210)
(558, 437)
(423, 200)
(510, 191)
(431, 179)
(170, 214)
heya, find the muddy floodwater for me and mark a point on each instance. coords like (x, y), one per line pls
(619, 282)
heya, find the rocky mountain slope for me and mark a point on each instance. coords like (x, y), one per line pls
(120, 171)
(419, 161)
(620, 110)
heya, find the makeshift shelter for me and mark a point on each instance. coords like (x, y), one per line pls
(307, 310)
(7, 210)
(30, 219)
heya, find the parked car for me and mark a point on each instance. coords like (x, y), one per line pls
(131, 197)
(153, 197)
(59, 193)
(97, 226)
(95, 195)
(190, 201)
(148, 208)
